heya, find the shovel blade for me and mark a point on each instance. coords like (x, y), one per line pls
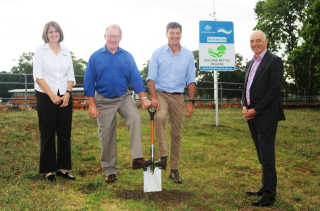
(152, 180)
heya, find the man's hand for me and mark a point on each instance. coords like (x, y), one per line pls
(155, 103)
(248, 113)
(146, 103)
(189, 109)
(93, 112)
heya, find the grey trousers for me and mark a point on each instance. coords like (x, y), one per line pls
(107, 123)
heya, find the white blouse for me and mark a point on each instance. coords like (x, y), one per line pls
(56, 70)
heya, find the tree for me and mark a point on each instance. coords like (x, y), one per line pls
(79, 65)
(144, 72)
(307, 56)
(24, 65)
(292, 27)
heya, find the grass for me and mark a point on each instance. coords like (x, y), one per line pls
(218, 164)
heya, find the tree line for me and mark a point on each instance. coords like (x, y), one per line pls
(292, 28)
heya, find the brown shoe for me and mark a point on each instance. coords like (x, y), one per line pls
(140, 163)
(162, 163)
(111, 178)
(174, 175)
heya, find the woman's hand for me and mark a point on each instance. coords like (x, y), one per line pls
(65, 99)
(56, 99)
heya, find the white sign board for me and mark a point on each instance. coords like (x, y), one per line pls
(216, 48)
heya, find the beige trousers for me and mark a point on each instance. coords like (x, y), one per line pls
(171, 105)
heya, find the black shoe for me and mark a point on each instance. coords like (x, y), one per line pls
(162, 163)
(264, 202)
(65, 175)
(50, 177)
(174, 175)
(111, 178)
(140, 163)
(252, 193)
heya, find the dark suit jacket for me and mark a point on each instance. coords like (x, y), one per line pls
(265, 88)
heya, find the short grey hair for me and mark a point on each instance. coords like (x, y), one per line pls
(264, 36)
(174, 25)
(113, 26)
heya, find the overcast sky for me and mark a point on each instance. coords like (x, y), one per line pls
(143, 24)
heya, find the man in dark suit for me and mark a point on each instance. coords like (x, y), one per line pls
(262, 109)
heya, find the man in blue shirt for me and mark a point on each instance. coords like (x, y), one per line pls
(171, 69)
(110, 71)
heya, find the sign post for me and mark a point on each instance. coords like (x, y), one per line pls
(216, 50)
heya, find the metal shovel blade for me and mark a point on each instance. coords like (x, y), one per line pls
(152, 180)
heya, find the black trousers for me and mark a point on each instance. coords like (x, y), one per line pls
(53, 121)
(263, 135)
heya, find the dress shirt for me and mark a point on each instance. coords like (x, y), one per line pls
(254, 67)
(171, 73)
(56, 70)
(111, 74)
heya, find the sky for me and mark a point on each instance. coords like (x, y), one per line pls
(143, 24)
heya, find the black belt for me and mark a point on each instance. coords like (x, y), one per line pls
(172, 93)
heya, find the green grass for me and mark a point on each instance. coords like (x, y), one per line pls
(218, 164)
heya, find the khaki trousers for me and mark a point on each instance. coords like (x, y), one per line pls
(173, 105)
(107, 123)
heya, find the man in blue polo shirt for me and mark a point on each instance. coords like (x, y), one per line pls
(171, 69)
(110, 71)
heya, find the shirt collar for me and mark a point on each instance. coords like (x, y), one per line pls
(168, 48)
(105, 49)
(260, 57)
(46, 45)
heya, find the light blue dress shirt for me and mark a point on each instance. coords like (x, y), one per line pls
(172, 73)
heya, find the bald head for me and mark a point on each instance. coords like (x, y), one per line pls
(113, 37)
(258, 42)
(114, 27)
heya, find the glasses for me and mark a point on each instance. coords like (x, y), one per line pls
(51, 32)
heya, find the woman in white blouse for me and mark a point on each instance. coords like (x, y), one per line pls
(54, 78)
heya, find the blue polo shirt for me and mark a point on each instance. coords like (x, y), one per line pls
(172, 73)
(111, 74)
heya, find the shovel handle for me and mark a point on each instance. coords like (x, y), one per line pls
(152, 111)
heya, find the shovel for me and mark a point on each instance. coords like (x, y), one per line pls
(152, 174)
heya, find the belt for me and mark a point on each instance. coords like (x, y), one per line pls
(171, 93)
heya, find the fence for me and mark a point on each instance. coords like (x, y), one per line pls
(16, 91)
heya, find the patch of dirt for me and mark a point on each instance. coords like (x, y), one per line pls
(306, 170)
(166, 196)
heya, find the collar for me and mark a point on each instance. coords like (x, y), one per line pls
(167, 48)
(105, 50)
(260, 57)
(46, 45)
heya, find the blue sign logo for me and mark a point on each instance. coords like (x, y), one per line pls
(216, 32)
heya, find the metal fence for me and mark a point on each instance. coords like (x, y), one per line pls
(17, 90)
